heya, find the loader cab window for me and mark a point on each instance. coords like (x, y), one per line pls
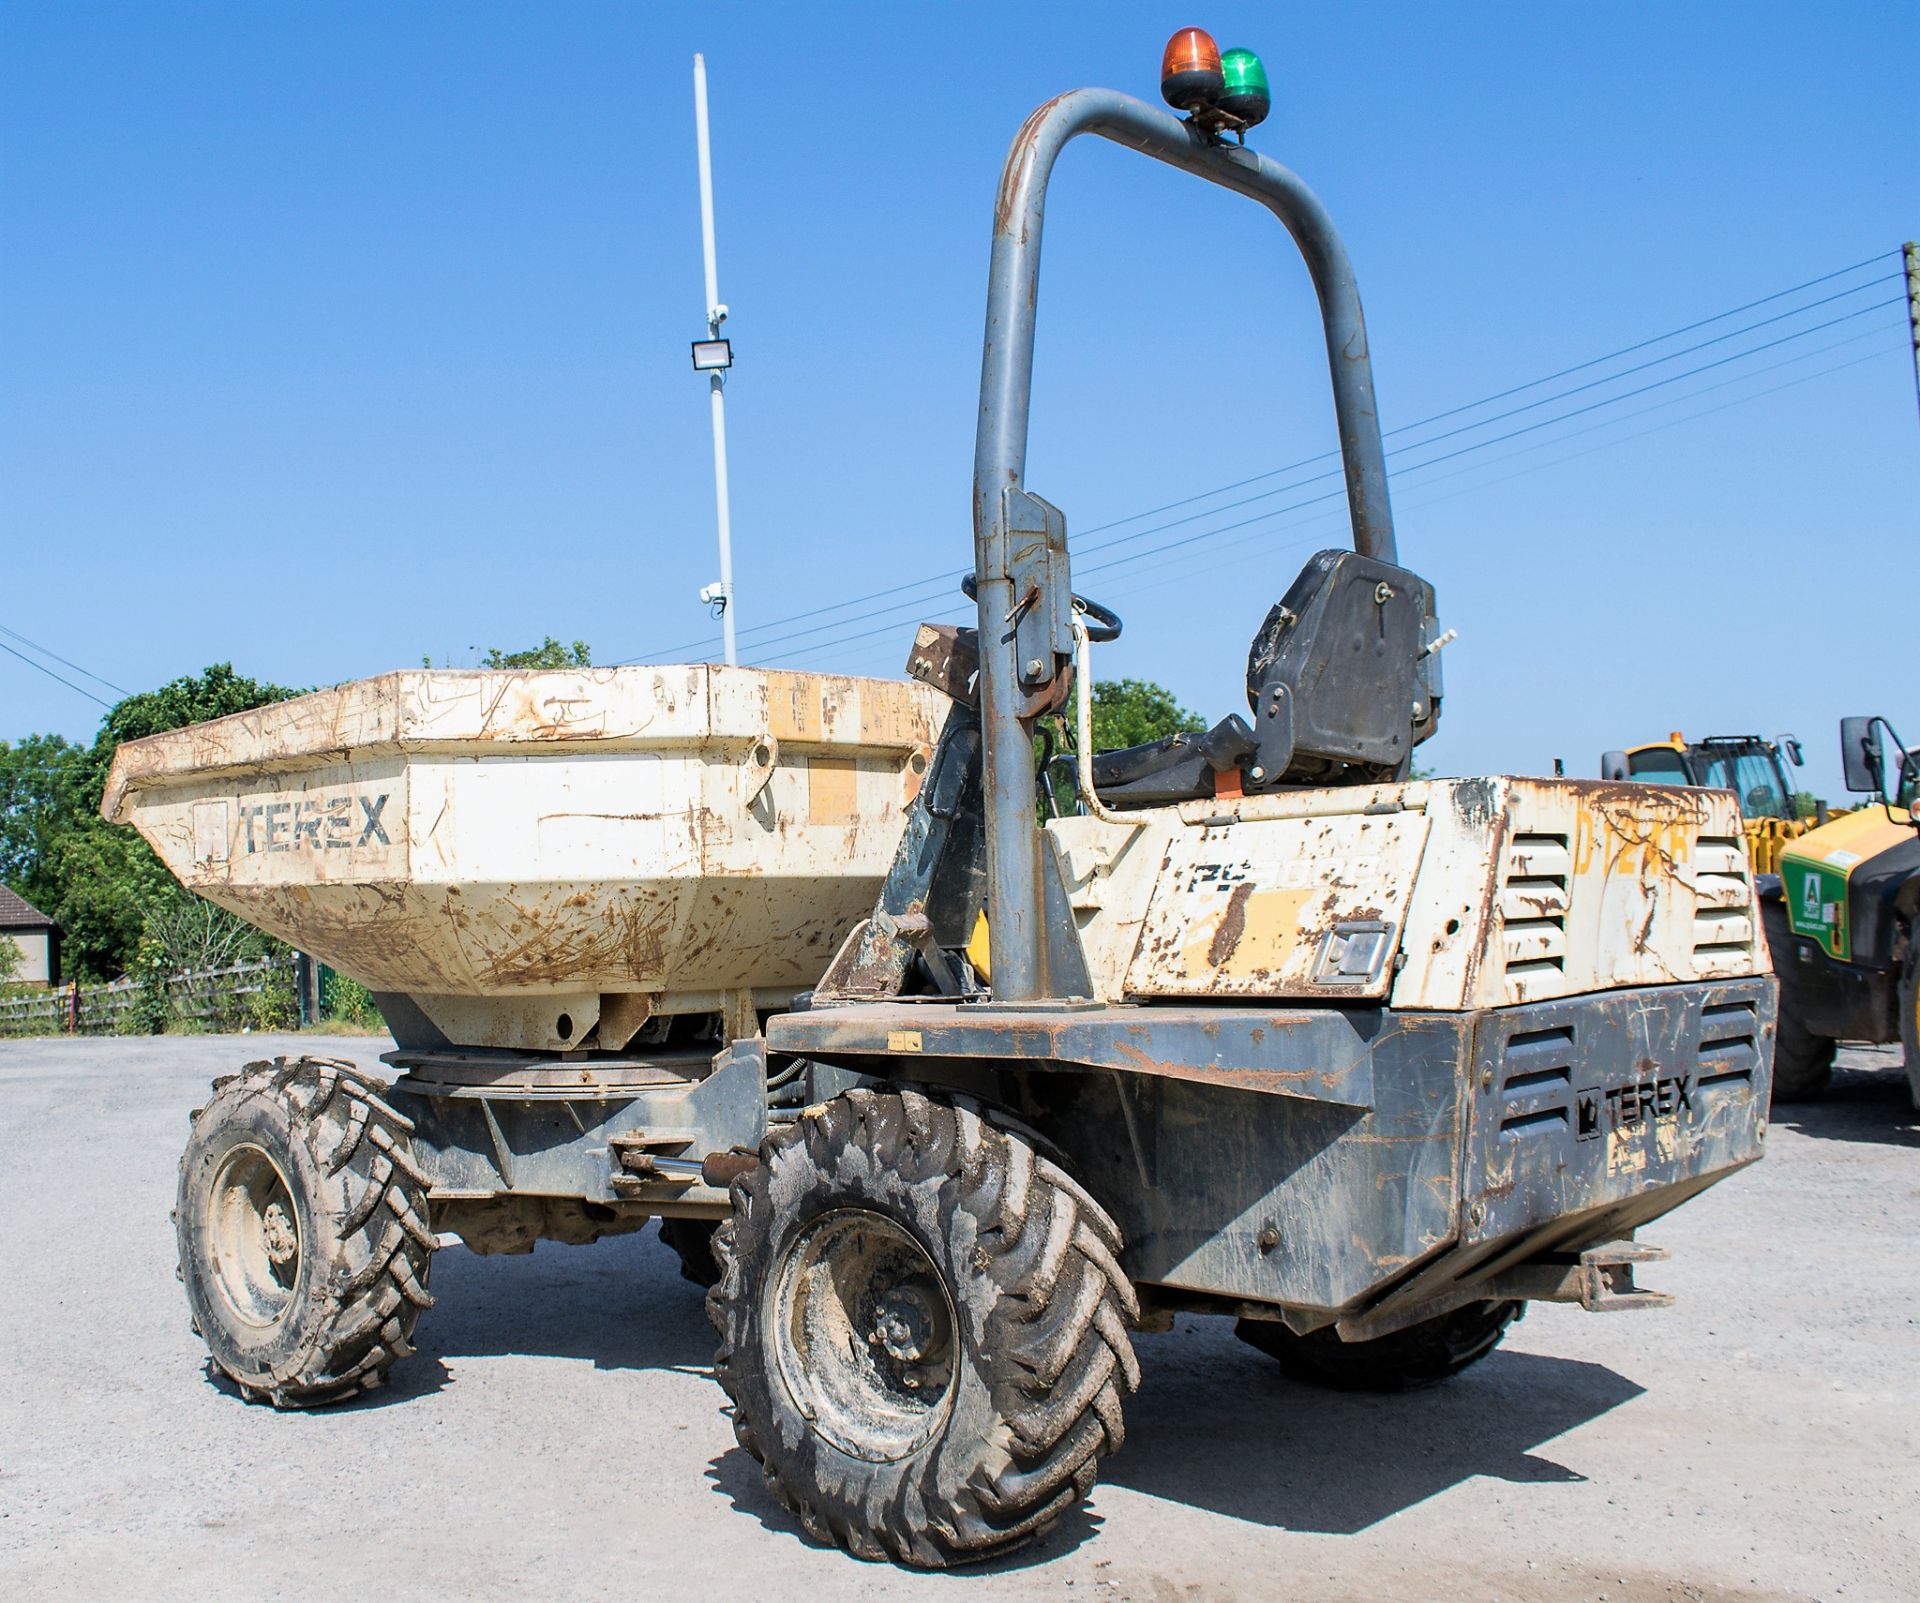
(1752, 776)
(1659, 766)
(1757, 784)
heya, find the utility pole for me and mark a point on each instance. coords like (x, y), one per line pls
(713, 356)
(1910, 254)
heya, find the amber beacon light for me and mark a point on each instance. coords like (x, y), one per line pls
(1190, 75)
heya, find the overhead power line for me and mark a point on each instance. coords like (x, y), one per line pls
(1672, 333)
(43, 668)
(1627, 395)
(1160, 550)
(850, 644)
(1420, 501)
(1488, 400)
(942, 579)
(14, 634)
(1336, 493)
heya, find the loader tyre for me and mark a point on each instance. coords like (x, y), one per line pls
(692, 1242)
(1802, 1061)
(1909, 1002)
(1421, 1355)
(923, 1328)
(303, 1231)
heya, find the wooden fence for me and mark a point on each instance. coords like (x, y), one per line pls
(237, 994)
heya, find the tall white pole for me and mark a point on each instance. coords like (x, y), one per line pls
(716, 381)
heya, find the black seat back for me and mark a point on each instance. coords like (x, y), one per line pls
(1342, 684)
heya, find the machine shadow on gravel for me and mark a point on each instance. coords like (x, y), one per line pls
(626, 1309)
(1861, 1103)
(1219, 1428)
(741, 1481)
(619, 1303)
(422, 1375)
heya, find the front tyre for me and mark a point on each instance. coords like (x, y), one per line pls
(303, 1233)
(1802, 1061)
(923, 1328)
(1421, 1355)
(1909, 1002)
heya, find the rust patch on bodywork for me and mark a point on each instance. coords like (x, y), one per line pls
(1233, 925)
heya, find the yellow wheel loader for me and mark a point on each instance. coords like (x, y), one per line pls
(1753, 768)
(1842, 916)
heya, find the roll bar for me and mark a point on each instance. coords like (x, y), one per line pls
(1017, 536)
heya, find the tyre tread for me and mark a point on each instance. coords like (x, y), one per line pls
(1060, 1355)
(364, 1304)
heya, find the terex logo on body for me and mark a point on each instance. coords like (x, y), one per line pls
(1284, 874)
(1622, 1107)
(310, 824)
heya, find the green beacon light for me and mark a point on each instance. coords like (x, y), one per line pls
(1246, 96)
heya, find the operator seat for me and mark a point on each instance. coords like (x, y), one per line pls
(1343, 681)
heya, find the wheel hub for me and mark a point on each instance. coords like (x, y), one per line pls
(864, 1333)
(282, 1239)
(903, 1324)
(253, 1237)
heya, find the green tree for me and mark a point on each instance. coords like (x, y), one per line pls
(43, 785)
(1131, 712)
(101, 884)
(192, 934)
(213, 693)
(548, 654)
(109, 882)
(1126, 712)
(350, 1002)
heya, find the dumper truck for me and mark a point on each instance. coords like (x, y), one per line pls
(1263, 1028)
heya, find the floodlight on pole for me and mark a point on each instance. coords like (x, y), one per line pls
(713, 356)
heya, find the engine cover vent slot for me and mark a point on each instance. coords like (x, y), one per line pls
(1729, 1051)
(1723, 907)
(1536, 1083)
(1533, 909)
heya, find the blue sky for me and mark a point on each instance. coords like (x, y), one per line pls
(338, 335)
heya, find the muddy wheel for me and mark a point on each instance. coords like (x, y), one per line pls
(692, 1242)
(1802, 1061)
(1421, 1355)
(303, 1234)
(923, 1328)
(1910, 1012)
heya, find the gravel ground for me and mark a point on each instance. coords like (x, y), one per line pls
(558, 1434)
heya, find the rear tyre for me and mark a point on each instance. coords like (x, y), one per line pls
(1421, 1355)
(1802, 1061)
(923, 1328)
(303, 1232)
(692, 1242)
